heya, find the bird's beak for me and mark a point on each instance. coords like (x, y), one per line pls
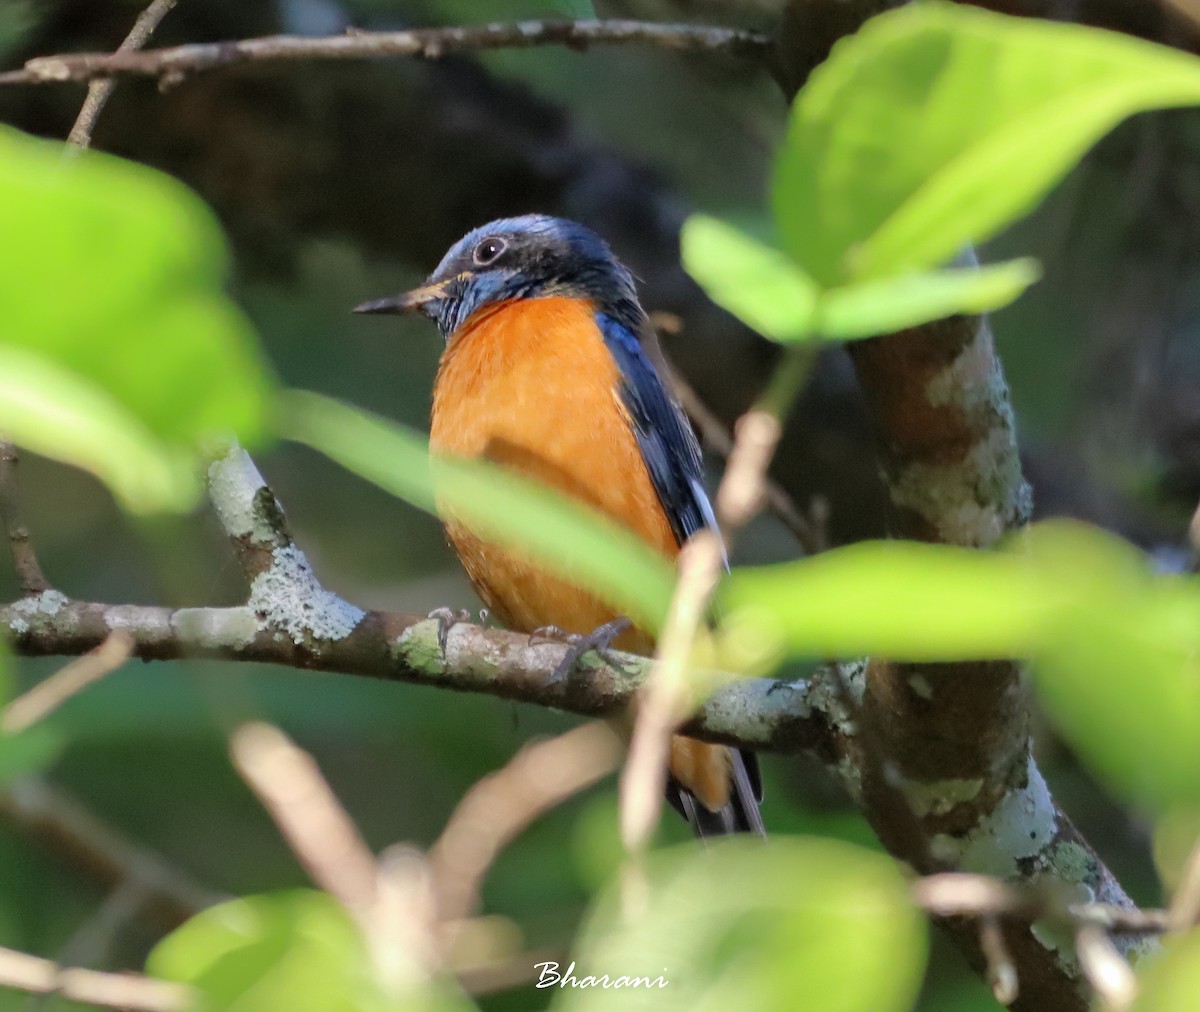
(414, 301)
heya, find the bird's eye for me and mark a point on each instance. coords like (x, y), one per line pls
(488, 250)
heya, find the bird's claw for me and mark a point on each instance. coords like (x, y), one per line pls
(447, 619)
(599, 639)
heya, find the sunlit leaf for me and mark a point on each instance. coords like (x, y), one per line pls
(800, 923)
(898, 599)
(59, 413)
(113, 273)
(1176, 835)
(278, 953)
(759, 285)
(563, 535)
(869, 308)
(1116, 649)
(936, 125)
(1120, 675)
(1170, 982)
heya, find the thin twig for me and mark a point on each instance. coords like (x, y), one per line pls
(24, 972)
(1105, 969)
(311, 819)
(1001, 971)
(99, 90)
(25, 562)
(94, 847)
(426, 43)
(93, 940)
(50, 693)
(667, 698)
(500, 806)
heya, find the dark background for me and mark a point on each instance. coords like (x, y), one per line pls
(342, 182)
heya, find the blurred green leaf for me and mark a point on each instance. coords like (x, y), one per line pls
(562, 535)
(801, 923)
(1120, 675)
(1116, 649)
(898, 599)
(29, 751)
(1176, 834)
(112, 273)
(990, 112)
(759, 285)
(1170, 981)
(274, 953)
(869, 308)
(58, 413)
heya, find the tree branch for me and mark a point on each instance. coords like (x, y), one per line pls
(758, 713)
(426, 43)
(25, 560)
(99, 91)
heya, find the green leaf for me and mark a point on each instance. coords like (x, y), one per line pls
(769, 293)
(1116, 649)
(112, 274)
(869, 308)
(567, 537)
(1120, 676)
(803, 922)
(277, 953)
(60, 414)
(759, 285)
(937, 125)
(898, 599)
(1170, 981)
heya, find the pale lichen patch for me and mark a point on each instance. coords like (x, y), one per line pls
(216, 628)
(1018, 828)
(234, 485)
(287, 597)
(48, 603)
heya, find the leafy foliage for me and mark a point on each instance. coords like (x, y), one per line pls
(741, 925)
(271, 953)
(119, 351)
(1085, 606)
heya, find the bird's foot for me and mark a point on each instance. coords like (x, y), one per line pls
(599, 639)
(447, 619)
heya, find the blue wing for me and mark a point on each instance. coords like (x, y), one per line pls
(664, 436)
(672, 456)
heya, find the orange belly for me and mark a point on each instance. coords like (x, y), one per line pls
(530, 385)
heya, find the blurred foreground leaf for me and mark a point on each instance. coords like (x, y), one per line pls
(992, 110)
(800, 923)
(279, 952)
(118, 350)
(565, 536)
(769, 293)
(1170, 981)
(1116, 648)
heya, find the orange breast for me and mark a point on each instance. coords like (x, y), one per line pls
(530, 385)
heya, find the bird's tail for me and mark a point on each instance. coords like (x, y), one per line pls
(740, 814)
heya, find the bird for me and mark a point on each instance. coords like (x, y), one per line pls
(544, 372)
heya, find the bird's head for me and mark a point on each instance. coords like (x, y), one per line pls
(530, 257)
